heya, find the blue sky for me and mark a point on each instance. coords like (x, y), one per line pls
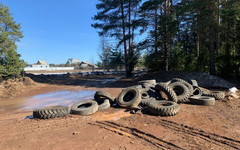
(55, 30)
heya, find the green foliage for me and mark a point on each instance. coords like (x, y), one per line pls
(13, 66)
(154, 61)
(118, 19)
(10, 32)
(67, 64)
(198, 35)
(141, 61)
(99, 64)
(52, 65)
(116, 58)
(228, 60)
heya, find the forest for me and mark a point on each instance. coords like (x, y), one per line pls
(191, 35)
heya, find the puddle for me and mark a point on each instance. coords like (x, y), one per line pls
(29, 117)
(109, 80)
(47, 99)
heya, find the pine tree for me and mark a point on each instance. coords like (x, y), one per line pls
(116, 58)
(10, 33)
(117, 18)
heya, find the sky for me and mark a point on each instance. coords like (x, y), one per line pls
(56, 30)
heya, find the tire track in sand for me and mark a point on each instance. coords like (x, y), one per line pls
(133, 132)
(209, 137)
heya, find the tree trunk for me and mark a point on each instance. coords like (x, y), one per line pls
(211, 39)
(218, 32)
(166, 53)
(124, 39)
(156, 33)
(129, 41)
(198, 35)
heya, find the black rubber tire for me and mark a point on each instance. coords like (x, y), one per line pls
(51, 112)
(181, 91)
(103, 104)
(144, 102)
(197, 92)
(104, 94)
(167, 90)
(153, 82)
(215, 94)
(194, 83)
(163, 108)
(190, 87)
(147, 85)
(202, 100)
(84, 108)
(130, 97)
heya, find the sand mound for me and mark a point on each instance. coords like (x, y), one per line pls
(14, 87)
(28, 81)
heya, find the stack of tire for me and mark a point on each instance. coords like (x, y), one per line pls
(163, 98)
(102, 100)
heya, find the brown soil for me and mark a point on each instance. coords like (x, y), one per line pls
(195, 127)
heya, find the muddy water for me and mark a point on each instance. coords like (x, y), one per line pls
(47, 99)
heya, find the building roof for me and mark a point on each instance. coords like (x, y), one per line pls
(42, 62)
(86, 64)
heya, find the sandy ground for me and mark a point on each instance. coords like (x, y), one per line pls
(195, 127)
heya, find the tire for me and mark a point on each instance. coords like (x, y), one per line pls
(147, 85)
(163, 108)
(102, 104)
(104, 94)
(215, 94)
(51, 112)
(84, 108)
(181, 91)
(137, 86)
(171, 95)
(194, 83)
(202, 100)
(190, 87)
(144, 95)
(204, 90)
(168, 82)
(153, 82)
(129, 97)
(144, 102)
(197, 92)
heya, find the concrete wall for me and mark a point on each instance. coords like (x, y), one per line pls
(47, 68)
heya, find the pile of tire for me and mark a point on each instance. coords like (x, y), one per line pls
(102, 100)
(162, 99)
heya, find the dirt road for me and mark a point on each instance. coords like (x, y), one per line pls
(195, 127)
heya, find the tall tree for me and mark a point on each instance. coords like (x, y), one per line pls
(115, 20)
(10, 33)
(105, 52)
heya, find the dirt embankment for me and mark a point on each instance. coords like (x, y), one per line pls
(195, 127)
(16, 87)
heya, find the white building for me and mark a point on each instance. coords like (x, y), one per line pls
(43, 66)
(73, 61)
